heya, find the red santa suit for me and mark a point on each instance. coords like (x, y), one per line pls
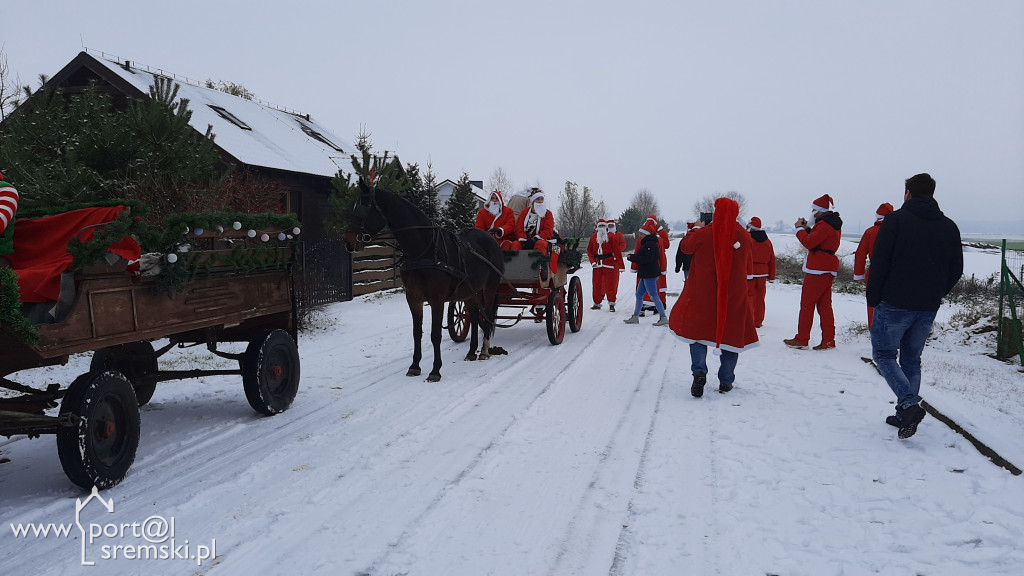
(499, 220)
(762, 255)
(713, 308)
(663, 244)
(601, 252)
(820, 269)
(619, 245)
(535, 229)
(864, 250)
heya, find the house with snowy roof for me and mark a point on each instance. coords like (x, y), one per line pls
(288, 147)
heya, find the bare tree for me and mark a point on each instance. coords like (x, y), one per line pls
(645, 203)
(707, 203)
(10, 88)
(500, 181)
(577, 212)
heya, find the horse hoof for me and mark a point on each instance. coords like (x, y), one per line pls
(413, 372)
(434, 378)
(484, 357)
(470, 357)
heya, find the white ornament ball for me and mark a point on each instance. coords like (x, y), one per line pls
(237, 225)
(252, 233)
(186, 229)
(220, 229)
(289, 236)
(296, 231)
(172, 258)
(282, 236)
(265, 237)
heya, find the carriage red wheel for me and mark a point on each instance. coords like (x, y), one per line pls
(458, 321)
(555, 313)
(575, 308)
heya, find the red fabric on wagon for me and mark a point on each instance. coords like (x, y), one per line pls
(41, 248)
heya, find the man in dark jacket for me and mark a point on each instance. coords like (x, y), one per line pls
(917, 259)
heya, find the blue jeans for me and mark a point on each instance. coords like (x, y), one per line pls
(726, 371)
(893, 331)
(649, 285)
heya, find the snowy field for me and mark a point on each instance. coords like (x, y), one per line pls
(587, 458)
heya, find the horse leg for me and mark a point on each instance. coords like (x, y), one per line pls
(436, 316)
(416, 308)
(490, 315)
(474, 321)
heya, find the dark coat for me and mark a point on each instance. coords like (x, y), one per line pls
(917, 259)
(647, 257)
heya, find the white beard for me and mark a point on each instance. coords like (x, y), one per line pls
(494, 208)
(813, 218)
(602, 235)
(540, 209)
(611, 229)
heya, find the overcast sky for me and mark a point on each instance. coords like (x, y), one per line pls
(782, 101)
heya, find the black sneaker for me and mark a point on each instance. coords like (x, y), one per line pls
(699, 380)
(909, 419)
(723, 387)
(893, 420)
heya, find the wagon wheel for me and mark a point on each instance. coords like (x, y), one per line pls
(458, 321)
(270, 372)
(555, 313)
(135, 360)
(100, 448)
(575, 304)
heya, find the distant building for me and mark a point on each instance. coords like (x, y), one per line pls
(447, 187)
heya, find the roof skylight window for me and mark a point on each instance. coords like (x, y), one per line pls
(318, 136)
(230, 117)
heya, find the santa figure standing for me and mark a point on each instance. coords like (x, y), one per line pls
(862, 257)
(763, 255)
(601, 252)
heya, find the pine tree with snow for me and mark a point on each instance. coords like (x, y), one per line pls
(460, 210)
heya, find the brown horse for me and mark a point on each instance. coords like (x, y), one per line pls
(438, 266)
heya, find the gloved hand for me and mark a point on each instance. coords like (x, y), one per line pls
(593, 264)
(495, 231)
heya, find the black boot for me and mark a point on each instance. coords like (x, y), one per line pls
(909, 419)
(699, 380)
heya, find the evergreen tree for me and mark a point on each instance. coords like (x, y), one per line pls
(381, 172)
(62, 149)
(630, 220)
(460, 210)
(422, 195)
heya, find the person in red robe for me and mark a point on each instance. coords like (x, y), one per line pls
(535, 229)
(763, 255)
(497, 219)
(601, 253)
(821, 237)
(619, 245)
(862, 256)
(712, 309)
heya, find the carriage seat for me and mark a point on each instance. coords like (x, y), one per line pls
(42, 261)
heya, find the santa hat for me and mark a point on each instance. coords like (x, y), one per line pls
(602, 222)
(755, 223)
(611, 223)
(723, 238)
(537, 194)
(823, 204)
(883, 209)
(498, 194)
(649, 227)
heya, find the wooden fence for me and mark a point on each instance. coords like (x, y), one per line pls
(375, 268)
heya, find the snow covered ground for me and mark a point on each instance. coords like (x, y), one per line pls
(586, 458)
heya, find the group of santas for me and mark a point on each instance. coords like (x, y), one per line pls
(532, 227)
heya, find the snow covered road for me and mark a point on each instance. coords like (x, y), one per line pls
(586, 458)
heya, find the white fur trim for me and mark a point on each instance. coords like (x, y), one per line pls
(536, 195)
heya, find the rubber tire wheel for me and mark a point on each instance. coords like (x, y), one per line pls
(458, 321)
(575, 307)
(555, 316)
(101, 447)
(134, 360)
(270, 372)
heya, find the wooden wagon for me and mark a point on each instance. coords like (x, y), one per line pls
(118, 315)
